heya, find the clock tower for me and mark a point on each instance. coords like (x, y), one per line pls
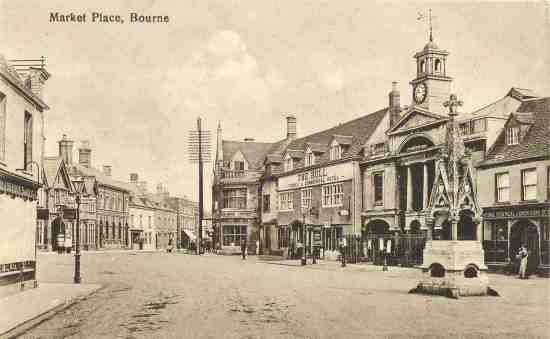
(431, 87)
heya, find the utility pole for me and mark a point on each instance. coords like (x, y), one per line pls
(77, 251)
(199, 152)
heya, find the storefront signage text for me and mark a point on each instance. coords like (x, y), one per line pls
(524, 213)
(318, 176)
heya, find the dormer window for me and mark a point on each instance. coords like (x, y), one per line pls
(310, 158)
(239, 165)
(335, 151)
(512, 135)
(289, 165)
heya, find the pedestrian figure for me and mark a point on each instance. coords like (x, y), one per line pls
(169, 249)
(257, 247)
(243, 249)
(523, 254)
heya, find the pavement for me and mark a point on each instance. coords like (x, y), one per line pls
(172, 295)
(25, 310)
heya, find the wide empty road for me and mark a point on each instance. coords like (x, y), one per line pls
(160, 295)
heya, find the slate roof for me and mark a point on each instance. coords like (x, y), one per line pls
(536, 143)
(9, 73)
(253, 152)
(359, 130)
(51, 167)
(101, 178)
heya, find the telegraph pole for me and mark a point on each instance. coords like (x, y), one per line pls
(199, 152)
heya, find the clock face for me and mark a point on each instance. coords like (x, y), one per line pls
(420, 92)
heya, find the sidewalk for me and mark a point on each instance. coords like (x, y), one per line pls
(83, 252)
(335, 265)
(22, 311)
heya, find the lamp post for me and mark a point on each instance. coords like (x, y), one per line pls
(77, 250)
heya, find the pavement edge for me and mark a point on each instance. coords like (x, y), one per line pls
(29, 324)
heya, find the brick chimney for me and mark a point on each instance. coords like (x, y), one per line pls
(134, 178)
(107, 170)
(66, 149)
(291, 127)
(394, 104)
(85, 154)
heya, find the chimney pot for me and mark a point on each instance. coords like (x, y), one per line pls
(107, 170)
(66, 150)
(85, 154)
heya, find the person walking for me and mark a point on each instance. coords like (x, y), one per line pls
(523, 254)
(243, 249)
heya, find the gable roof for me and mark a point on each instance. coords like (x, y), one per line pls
(359, 130)
(9, 73)
(253, 152)
(534, 144)
(53, 167)
(100, 177)
(415, 110)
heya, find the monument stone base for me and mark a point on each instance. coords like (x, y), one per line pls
(454, 268)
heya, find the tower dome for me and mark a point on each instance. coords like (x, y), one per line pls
(430, 45)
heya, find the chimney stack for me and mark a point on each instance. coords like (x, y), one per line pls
(66, 150)
(107, 170)
(85, 154)
(134, 178)
(291, 127)
(394, 104)
(37, 79)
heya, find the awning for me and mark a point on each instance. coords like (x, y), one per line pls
(190, 234)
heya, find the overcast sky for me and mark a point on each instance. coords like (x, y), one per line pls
(134, 90)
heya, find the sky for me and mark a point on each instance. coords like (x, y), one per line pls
(135, 90)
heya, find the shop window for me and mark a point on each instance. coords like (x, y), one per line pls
(502, 187)
(234, 198)
(378, 183)
(306, 198)
(529, 184)
(512, 135)
(333, 195)
(233, 235)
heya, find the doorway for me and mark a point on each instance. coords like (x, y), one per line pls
(58, 233)
(525, 232)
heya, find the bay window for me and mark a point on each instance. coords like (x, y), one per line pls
(234, 198)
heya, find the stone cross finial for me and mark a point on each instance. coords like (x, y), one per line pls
(453, 104)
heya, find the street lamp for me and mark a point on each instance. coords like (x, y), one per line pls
(77, 250)
(304, 260)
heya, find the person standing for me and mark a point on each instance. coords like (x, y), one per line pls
(523, 254)
(243, 248)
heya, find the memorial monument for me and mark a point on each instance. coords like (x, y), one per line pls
(453, 258)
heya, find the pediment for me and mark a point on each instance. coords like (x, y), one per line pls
(415, 118)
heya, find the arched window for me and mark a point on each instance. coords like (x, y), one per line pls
(438, 65)
(422, 66)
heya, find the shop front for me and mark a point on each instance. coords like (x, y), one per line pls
(506, 228)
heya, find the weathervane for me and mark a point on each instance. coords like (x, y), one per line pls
(421, 16)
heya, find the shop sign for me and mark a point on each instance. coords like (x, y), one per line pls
(317, 176)
(517, 213)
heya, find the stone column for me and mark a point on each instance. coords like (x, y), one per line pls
(479, 231)
(409, 189)
(454, 228)
(429, 225)
(425, 187)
